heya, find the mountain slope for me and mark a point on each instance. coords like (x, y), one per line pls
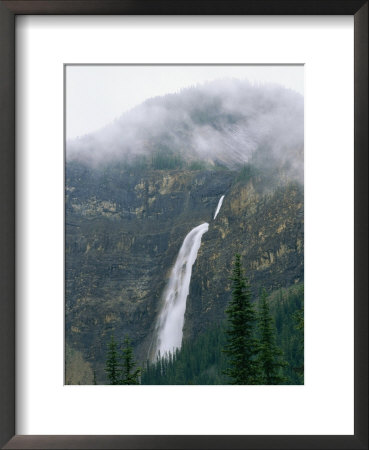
(135, 189)
(229, 122)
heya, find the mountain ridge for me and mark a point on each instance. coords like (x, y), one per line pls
(225, 122)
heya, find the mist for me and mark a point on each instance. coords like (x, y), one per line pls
(227, 122)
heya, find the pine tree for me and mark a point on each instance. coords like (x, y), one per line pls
(270, 355)
(128, 374)
(111, 365)
(299, 318)
(242, 347)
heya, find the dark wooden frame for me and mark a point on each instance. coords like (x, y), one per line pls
(8, 11)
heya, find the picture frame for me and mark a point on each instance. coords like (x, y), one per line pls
(8, 12)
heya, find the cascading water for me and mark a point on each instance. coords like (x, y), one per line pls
(219, 206)
(171, 318)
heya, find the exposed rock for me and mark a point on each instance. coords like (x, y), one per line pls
(123, 232)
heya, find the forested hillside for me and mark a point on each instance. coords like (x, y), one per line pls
(201, 360)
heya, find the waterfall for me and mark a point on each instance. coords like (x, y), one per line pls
(219, 206)
(171, 318)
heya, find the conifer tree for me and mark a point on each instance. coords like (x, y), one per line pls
(299, 318)
(128, 374)
(111, 366)
(242, 347)
(270, 355)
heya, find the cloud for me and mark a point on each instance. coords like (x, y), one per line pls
(228, 121)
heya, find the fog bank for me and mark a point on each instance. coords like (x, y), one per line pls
(228, 122)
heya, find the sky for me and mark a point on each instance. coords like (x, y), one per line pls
(96, 95)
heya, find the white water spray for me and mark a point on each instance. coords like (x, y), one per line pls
(219, 206)
(171, 318)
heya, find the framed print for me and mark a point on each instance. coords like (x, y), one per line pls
(163, 166)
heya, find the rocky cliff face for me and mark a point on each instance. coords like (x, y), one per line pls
(266, 228)
(124, 227)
